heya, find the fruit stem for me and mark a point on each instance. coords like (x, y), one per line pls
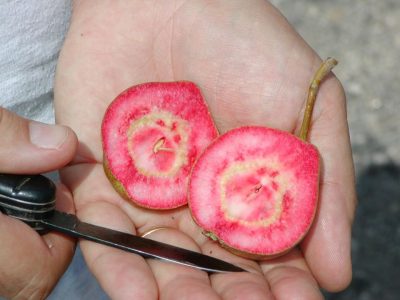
(324, 69)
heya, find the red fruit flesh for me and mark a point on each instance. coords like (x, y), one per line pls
(255, 189)
(152, 134)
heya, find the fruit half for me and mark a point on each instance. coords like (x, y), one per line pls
(152, 133)
(255, 189)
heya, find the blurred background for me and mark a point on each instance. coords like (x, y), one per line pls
(364, 35)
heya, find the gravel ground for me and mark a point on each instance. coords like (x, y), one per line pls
(363, 36)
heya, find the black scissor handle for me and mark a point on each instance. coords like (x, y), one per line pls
(30, 198)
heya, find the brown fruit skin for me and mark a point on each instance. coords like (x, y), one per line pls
(255, 256)
(249, 255)
(114, 182)
(120, 188)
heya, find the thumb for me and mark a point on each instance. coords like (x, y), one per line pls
(33, 147)
(31, 264)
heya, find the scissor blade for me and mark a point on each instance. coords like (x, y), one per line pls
(69, 224)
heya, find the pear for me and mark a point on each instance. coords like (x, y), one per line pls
(255, 189)
(152, 134)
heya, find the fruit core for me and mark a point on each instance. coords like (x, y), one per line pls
(252, 192)
(157, 144)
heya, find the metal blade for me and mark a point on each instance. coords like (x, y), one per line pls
(70, 224)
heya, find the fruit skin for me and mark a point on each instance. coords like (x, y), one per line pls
(185, 113)
(301, 162)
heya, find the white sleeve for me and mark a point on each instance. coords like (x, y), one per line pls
(31, 34)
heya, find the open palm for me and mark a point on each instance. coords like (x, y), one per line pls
(253, 69)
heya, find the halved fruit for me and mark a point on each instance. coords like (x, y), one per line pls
(255, 189)
(152, 133)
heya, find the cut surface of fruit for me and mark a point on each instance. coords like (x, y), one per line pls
(255, 189)
(152, 134)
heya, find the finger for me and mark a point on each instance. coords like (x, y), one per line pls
(327, 247)
(250, 285)
(242, 285)
(291, 271)
(33, 147)
(31, 264)
(176, 281)
(56, 241)
(293, 283)
(122, 275)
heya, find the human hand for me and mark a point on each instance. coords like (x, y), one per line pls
(32, 264)
(253, 69)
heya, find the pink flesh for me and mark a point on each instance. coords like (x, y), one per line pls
(146, 159)
(256, 189)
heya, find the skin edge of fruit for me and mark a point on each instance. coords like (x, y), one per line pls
(120, 189)
(252, 255)
(117, 185)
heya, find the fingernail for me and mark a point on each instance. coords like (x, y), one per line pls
(47, 136)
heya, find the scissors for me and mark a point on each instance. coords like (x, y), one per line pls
(31, 199)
